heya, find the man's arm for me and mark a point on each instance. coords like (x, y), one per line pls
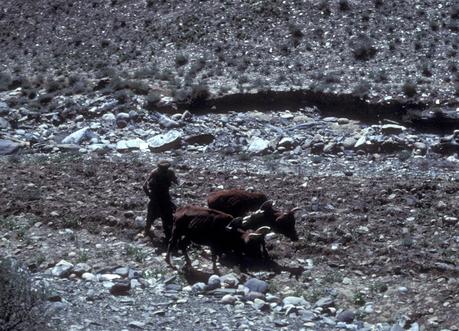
(145, 188)
(147, 183)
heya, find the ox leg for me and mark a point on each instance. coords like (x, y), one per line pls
(265, 251)
(214, 262)
(183, 245)
(168, 221)
(172, 244)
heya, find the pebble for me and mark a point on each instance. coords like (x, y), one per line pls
(295, 301)
(89, 276)
(108, 277)
(346, 316)
(198, 287)
(228, 299)
(62, 269)
(325, 302)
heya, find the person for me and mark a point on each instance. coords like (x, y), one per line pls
(156, 187)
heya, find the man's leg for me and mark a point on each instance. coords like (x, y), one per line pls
(150, 218)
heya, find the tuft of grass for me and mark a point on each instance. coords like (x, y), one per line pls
(409, 89)
(151, 101)
(137, 253)
(363, 48)
(5, 81)
(22, 305)
(359, 299)
(181, 60)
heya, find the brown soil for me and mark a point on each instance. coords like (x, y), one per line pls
(366, 236)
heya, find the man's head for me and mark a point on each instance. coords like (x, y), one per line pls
(163, 165)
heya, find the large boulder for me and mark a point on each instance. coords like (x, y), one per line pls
(164, 142)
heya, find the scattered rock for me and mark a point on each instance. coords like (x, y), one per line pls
(199, 287)
(163, 142)
(4, 124)
(392, 129)
(89, 276)
(256, 285)
(109, 117)
(78, 137)
(8, 147)
(257, 145)
(346, 316)
(229, 280)
(62, 269)
(261, 305)
(228, 299)
(136, 324)
(120, 288)
(295, 301)
(167, 123)
(81, 268)
(325, 302)
(122, 271)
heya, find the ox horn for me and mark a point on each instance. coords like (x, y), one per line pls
(235, 223)
(245, 220)
(254, 235)
(264, 230)
(295, 209)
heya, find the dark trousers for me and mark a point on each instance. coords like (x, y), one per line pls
(164, 210)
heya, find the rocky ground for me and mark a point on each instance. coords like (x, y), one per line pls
(377, 50)
(378, 219)
(346, 109)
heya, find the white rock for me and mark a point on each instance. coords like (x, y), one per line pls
(392, 128)
(258, 145)
(361, 141)
(62, 269)
(167, 141)
(296, 301)
(228, 299)
(137, 143)
(79, 136)
(167, 123)
(109, 117)
(89, 277)
(108, 277)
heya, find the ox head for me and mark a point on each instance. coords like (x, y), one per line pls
(251, 236)
(285, 224)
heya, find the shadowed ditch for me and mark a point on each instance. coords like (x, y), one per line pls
(419, 116)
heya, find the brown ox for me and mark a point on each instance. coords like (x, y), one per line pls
(238, 203)
(214, 229)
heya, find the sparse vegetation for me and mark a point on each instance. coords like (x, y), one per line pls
(136, 253)
(151, 101)
(409, 89)
(5, 81)
(181, 60)
(363, 48)
(22, 304)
